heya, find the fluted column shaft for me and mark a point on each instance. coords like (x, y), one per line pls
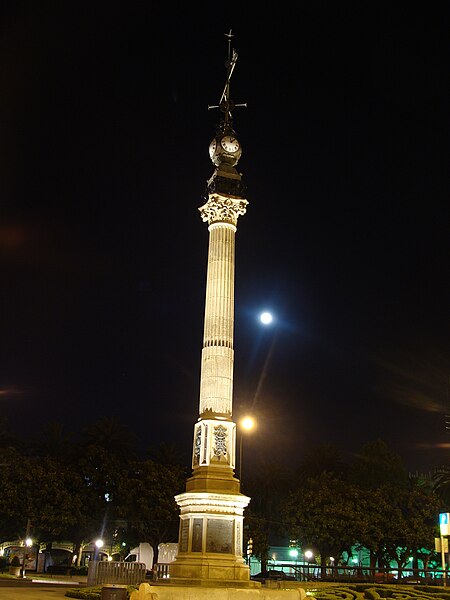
(216, 383)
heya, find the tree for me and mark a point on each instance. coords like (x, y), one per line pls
(41, 490)
(267, 488)
(145, 499)
(378, 524)
(416, 525)
(377, 466)
(322, 458)
(440, 483)
(111, 435)
(54, 442)
(7, 438)
(324, 513)
(13, 509)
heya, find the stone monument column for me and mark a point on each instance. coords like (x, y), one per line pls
(212, 507)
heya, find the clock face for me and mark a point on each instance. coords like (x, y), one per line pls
(212, 147)
(229, 143)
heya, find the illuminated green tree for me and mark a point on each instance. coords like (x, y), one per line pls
(325, 514)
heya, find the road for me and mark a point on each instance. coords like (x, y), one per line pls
(16, 589)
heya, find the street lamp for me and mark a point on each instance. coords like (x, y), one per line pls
(28, 542)
(247, 424)
(98, 544)
(308, 556)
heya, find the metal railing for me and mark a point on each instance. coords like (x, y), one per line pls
(126, 573)
(363, 574)
(161, 571)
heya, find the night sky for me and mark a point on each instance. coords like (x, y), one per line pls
(103, 165)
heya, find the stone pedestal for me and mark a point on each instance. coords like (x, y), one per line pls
(210, 538)
(210, 592)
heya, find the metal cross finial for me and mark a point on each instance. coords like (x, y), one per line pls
(229, 35)
(225, 103)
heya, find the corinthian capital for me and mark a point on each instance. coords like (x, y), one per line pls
(220, 209)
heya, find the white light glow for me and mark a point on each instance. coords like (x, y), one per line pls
(99, 543)
(308, 554)
(248, 423)
(28, 542)
(266, 318)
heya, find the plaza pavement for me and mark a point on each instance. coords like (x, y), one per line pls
(35, 591)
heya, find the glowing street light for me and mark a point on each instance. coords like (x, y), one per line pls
(247, 424)
(308, 554)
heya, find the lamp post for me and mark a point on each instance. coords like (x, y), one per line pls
(93, 564)
(98, 544)
(308, 555)
(27, 544)
(247, 424)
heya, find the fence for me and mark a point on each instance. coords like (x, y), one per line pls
(363, 574)
(126, 573)
(161, 571)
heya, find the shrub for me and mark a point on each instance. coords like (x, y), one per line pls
(15, 562)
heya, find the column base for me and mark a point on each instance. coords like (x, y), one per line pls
(210, 570)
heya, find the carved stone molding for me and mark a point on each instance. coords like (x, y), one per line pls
(220, 209)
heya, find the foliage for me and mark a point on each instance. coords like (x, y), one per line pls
(377, 466)
(375, 592)
(92, 593)
(441, 485)
(145, 499)
(98, 491)
(267, 487)
(110, 434)
(320, 459)
(54, 442)
(395, 519)
(37, 489)
(325, 514)
(379, 523)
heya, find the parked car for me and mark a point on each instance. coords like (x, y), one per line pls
(272, 574)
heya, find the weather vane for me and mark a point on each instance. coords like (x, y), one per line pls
(226, 105)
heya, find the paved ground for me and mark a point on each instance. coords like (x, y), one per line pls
(26, 590)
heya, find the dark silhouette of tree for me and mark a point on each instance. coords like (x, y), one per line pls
(324, 458)
(145, 500)
(376, 465)
(168, 454)
(111, 435)
(41, 490)
(267, 487)
(440, 484)
(8, 439)
(54, 442)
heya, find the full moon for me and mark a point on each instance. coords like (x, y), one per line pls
(265, 318)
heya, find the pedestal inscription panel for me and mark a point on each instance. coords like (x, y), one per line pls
(184, 537)
(197, 535)
(219, 536)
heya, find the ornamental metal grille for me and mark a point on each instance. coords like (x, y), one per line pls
(220, 440)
